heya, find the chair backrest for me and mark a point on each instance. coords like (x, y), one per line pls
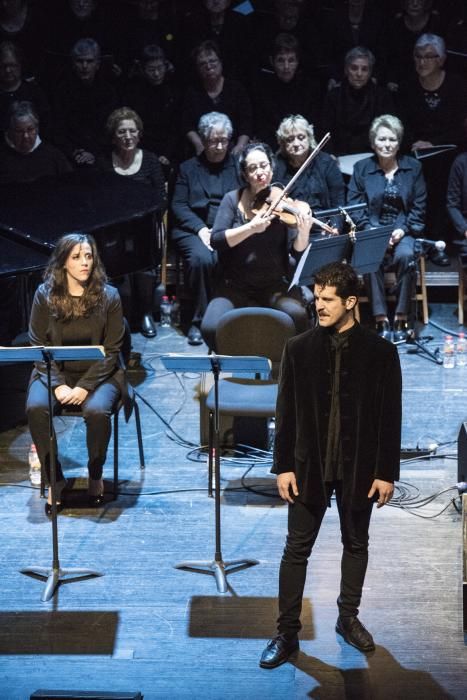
(255, 330)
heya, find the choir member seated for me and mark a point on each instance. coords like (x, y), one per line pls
(212, 91)
(24, 157)
(321, 184)
(285, 90)
(434, 105)
(201, 183)
(393, 187)
(350, 108)
(81, 105)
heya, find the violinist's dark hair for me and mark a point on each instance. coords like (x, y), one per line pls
(341, 276)
(255, 146)
(63, 306)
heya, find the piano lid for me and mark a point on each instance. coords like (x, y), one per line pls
(35, 215)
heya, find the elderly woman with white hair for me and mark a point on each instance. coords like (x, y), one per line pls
(433, 107)
(321, 184)
(201, 184)
(393, 187)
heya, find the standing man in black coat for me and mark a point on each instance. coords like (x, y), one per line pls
(338, 423)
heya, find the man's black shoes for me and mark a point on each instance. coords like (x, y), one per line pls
(354, 633)
(278, 651)
(439, 257)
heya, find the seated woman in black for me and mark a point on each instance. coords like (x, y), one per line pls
(254, 249)
(321, 185)
(75, 306)
(394, 190)
(125, 129)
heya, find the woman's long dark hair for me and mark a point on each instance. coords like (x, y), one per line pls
(63, 306)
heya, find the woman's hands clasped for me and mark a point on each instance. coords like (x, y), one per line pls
(70, 397)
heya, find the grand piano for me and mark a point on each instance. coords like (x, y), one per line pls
(124, 217)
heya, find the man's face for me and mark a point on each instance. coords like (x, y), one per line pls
(155, 71)
(86, 67)
(416, 7)
(285, 65)
(358, 72)
(22, 134)
(332, 310)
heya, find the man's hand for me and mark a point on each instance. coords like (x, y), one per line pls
(287, 482)
(385, 490)
(75, 397)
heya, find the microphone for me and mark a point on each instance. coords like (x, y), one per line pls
(426, 244)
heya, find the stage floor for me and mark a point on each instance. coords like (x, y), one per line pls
(146, 626)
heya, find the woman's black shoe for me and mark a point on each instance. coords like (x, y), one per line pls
(96, 501)
(148, 327)
(401, 330)
(383, 329)
(48, 509)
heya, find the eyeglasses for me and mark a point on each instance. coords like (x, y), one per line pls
(426, 57)
(208, 64)
(212, 143)
(253, 167)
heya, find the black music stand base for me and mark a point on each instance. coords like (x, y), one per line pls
(219, 569)
(53, 577)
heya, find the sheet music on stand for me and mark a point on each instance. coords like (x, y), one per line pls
(320, 252)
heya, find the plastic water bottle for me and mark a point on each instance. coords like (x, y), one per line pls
(175, 312)
(165, 312)
(34, 466)
(449, 357)
(461, 351)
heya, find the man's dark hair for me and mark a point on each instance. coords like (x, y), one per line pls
(341, 276)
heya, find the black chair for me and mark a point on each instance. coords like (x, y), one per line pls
(249, 331)
(129, 405)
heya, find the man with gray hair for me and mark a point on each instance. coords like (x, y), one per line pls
(81, 105)
(350, 108)
(201, 183)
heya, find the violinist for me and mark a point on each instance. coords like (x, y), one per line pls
(321, 185)
(254, 247)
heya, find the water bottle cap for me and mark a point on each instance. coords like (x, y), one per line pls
(165, 298)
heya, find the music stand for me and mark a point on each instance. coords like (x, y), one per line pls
(318, 253)
(216, 364)
(55, 573)
(369, 248)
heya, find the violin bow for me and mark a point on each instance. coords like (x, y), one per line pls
(293, 180)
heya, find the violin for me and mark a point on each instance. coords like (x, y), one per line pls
(284, 208)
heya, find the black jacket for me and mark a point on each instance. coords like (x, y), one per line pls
(370, 410)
